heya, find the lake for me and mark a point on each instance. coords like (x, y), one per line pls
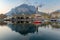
(10, 31)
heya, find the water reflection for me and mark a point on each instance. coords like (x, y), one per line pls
(55, 25)
(3, 23)
(23, 29)
(29, 31)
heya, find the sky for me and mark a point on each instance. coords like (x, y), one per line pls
(48, 5)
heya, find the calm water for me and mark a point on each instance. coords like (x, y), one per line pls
(29, 32)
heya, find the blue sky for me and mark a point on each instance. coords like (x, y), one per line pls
(48, 5)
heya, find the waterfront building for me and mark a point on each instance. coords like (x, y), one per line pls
(2, 16)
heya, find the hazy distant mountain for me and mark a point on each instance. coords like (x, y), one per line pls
(56, 12)
(24, 8)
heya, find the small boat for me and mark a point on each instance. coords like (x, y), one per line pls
(37, 22)
(53, 20)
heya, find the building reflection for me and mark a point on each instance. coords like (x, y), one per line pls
(55, 25)
(3, 23)
(23, 29)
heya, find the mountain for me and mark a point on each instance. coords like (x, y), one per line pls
(57, 11)
(24, 8)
